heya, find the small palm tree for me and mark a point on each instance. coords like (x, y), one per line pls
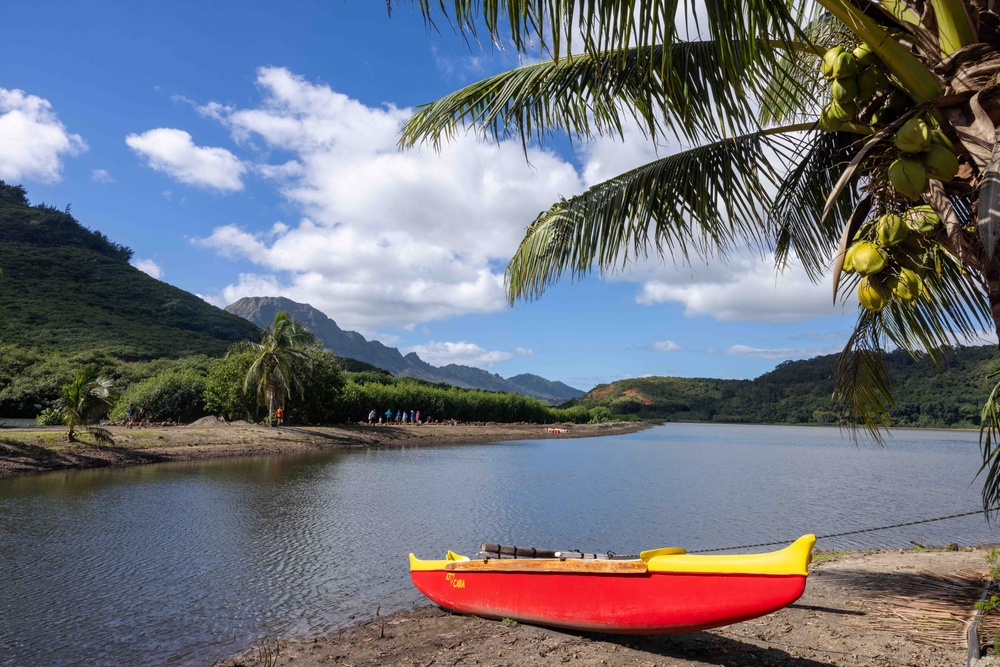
(281, 358)
(85, 400)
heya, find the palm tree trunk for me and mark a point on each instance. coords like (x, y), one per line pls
(993, 294)
(270, 407)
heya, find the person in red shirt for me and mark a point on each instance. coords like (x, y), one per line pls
(280, 414)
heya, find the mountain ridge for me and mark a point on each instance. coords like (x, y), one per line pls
(343, 343)
(69, 288)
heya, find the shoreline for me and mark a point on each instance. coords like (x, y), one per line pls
(35, 449)
(872, 609)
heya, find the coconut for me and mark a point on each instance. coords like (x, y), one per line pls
(906, 285)
(827, 122)
(870, 81)
(921, 219)
(842, 112)
(867, 258)
(844, 89)
(849, 258)
(916, 261)
(829, 58)
(938, 138)
(940, 163)
(908, 176)
(864, 55)
(891, 230)
(871, 296)
(845, 65)
(913, 137)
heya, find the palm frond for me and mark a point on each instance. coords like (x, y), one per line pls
(989, 445)
(684, 88)
(817, 160)
(793, 83)
(704, 202)
(863, 389)
(548, 26)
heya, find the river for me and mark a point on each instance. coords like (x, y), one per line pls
(183, 564)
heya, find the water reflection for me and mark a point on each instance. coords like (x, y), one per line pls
(181, 564)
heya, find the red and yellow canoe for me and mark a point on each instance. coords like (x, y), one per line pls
(663, 591)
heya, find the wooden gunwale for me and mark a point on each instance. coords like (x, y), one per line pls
(527, 565)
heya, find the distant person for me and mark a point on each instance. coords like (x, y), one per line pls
(280, 414)
(399, 416)
(412, 415)
(142, 416)
(371, 417)
(405, 415)
(388, 416)
(418, 417)
(130, 417)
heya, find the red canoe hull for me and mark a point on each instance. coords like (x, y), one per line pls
(647, 603)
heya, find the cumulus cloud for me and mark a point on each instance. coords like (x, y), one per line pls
(742, 289)
(385, 237)
(665, 346)
(468, 354)
(33, 142)
(149, 267)
(174, 153)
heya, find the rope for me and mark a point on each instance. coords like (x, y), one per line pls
(853, 532)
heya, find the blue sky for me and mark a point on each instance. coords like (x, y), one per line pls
(248, 149)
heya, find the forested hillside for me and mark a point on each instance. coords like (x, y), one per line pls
(68, 288)
(801, 392)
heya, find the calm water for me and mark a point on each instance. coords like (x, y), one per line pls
(182, 564)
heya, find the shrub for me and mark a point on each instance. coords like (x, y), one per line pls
(177, 396)
(49, 417)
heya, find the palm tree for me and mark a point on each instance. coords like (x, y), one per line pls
(280, 359)
(85, 400)
(857, 136)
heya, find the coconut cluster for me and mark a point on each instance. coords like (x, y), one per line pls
(892, 255)
(861, 92)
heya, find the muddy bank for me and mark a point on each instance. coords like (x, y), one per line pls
(37, 449)
(863, 609)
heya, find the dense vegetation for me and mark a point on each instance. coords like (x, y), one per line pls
(186, 389)
(800, 392)
(66, 288)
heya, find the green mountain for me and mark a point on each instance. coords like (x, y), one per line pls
(800, 392)
(68, 288)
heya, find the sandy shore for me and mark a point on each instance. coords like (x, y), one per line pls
(859, 609)
(37, 449)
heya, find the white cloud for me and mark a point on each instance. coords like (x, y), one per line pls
(101, 176)
(468, 354)
(778, 353)
(665, 346)
(389, 238)
(386, 238)
(742, 289)
(149, 267)
(174, 153)
(33, 142)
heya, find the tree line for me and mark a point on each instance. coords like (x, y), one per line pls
(287, 368)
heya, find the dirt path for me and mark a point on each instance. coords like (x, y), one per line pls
(871, 609)
(26, 450)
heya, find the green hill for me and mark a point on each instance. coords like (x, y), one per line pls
(67, 288)
(800, 392)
